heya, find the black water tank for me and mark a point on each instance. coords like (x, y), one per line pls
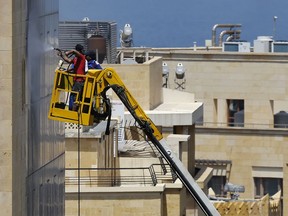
(281, 120)
(239, 119)
(97, 42)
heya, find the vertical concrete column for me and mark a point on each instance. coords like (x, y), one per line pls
(285, 184)
(175, 141)
(121, 57)
(221, 112)
(146, 56)
(187, 147)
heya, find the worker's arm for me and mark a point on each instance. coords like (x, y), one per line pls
(65, 55)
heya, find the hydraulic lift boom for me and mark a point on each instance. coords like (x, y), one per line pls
(94, 106)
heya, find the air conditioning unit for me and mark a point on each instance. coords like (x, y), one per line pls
(263, 44)
(279, 46)
(236, 47)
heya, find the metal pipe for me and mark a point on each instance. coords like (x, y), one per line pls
(221, 26)
(229, 32)
(233, 37)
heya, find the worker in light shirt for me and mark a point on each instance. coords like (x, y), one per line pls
(91, 60)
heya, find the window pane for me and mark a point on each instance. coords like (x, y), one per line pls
(235, 113)
(265, 186)
(270, 186)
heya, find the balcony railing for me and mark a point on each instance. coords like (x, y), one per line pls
(113, 177)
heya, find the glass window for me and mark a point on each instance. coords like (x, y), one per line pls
(235, 113)
(265, 186)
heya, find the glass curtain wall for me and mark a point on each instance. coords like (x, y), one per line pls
(45, 177)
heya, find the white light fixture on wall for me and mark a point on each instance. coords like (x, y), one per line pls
(180, 77)
(165, 74)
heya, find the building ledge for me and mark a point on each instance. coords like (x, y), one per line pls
(122, 189)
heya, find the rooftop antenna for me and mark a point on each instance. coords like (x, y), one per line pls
(274, 27)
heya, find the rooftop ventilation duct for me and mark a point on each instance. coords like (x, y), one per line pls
(235, 34)
(231, 26)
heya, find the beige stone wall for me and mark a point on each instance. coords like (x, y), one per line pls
(174, 201)
(116, 204)
(159, 200)
(246, 149)
(285, 181)
(144, 81)
(259, 79)
(155, 82)
(95, 152)
(6, 153)
(92, 152)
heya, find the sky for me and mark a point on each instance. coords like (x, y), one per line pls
(170, 23)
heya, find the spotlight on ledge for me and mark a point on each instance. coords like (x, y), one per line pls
(165, 74)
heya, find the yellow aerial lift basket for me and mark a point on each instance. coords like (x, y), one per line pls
(62, 89)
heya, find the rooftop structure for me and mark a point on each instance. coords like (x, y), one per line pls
(100, 37)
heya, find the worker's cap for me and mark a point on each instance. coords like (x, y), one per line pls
(79, 48)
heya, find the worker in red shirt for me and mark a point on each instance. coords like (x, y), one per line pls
(79, 62)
